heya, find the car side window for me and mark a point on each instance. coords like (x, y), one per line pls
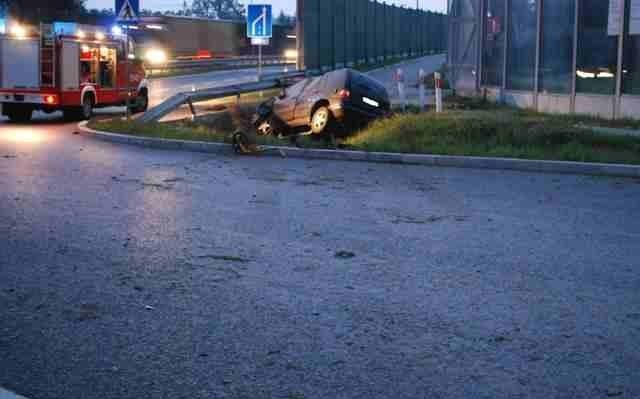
(315, 84)
(296, 89)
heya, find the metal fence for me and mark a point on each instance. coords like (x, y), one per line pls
(337, 33)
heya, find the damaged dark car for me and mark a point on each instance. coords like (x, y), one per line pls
(335, 103)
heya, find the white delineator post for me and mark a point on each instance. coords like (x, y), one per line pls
(421, 89)
(402, 94)
(438, 81)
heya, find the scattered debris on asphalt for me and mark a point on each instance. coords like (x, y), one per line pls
(227, 258)
(88, 311)
(614, 392)
(345, 255)
(430, 219)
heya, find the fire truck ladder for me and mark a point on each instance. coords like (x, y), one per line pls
(47, 56)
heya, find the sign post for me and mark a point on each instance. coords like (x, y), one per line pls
(127, 12)
(259, 28)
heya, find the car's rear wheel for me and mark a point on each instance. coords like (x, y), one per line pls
(320, 120)
(18, 113)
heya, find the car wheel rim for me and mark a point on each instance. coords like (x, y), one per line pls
(320, 119)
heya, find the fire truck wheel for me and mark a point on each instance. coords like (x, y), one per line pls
(86, 111)
(18, 113)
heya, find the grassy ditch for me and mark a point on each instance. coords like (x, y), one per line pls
(493, 132)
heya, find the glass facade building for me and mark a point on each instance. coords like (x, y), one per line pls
(565, 56)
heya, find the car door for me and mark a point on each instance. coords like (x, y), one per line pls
(285, 106)
(307, 99)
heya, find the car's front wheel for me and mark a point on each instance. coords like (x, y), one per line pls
(320, 120)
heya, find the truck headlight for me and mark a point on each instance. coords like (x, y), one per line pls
(19, 31)
(156, 56)
(291, 54)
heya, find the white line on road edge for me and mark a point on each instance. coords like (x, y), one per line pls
(4, 394)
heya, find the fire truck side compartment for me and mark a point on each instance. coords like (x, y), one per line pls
(70, 70)
(19, 59)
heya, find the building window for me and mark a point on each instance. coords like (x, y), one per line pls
(597, 48)
(493, 49)
(631, 59)
(521, 57)
(556, 62)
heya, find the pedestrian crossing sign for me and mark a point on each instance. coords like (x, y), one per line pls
(127, 10)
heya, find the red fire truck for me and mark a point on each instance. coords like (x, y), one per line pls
(68, 67)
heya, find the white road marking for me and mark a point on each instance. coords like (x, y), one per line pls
(4, 394)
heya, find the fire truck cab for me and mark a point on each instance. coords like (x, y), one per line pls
(68, 67)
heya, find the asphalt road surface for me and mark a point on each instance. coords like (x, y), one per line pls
(138, 273)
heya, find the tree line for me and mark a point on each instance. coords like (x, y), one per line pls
(36, 11)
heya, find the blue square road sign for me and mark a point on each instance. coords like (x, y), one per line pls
(259, 21)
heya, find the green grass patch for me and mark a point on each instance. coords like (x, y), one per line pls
(495, 133)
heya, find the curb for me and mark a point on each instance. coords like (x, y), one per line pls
(524, 165)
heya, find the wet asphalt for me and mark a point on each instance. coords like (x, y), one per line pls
(137, 273)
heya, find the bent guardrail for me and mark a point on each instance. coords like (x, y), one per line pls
(172, 103)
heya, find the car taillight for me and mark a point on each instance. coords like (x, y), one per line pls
(50, 99)
(344, 94)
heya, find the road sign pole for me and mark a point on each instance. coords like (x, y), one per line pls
(259, 62)
(259, 29)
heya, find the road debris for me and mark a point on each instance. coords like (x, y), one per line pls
(88, 311)
(227, 258)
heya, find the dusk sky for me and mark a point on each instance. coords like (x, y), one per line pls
(287, 5)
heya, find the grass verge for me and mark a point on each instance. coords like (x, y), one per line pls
(497, 132)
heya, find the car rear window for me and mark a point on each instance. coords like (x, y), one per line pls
(336, 80)
(363, 83)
